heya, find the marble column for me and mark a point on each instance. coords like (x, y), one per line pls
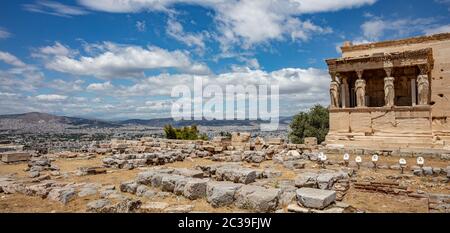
(413, 92)
(345, 95)
(360, 89)
(423, 86)
(389, 89)
(334, 94)
(423, 89)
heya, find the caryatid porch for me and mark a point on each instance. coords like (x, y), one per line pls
(382, 99)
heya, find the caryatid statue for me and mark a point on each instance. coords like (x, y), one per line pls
(334, 94)
(360, 89)
(389, 91)
(423, 88)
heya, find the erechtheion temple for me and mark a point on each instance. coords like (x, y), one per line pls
(392, 94)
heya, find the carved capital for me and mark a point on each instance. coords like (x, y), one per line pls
(424, 69)
(333, 76)
(388, 71)
(360, 73)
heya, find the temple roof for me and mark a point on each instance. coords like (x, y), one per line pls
(413, 40)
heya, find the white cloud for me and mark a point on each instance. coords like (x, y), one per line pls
(4, 33)
(57, 49)
(54, 8)
(243, 22)
(11, 59)
(99, 86)
(51, 97)
(66, 86)
(290, 80)
(116, 60)
(439, 29)
(376, 27)
(141, 26)
(176, 31)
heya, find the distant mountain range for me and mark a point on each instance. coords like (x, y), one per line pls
(37, 117)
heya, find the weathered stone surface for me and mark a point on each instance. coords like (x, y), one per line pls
(84, 171)
(188, 172)
(236, 174)
(297, 209)
(179, 186)
(195, 188)
(87, 191)
(428, 171)
(294, 164)
(10, 157)
(98, 206)
(315, 198)
(179, 209)
(168, 182)
(271, 173)
(286, 197)
(257, 198)
(145, 178)
(418, 172)
(307, 179)
(221, 193)
(126, 206)
(33, 174)
(154, 207)
(128, 187)
(63, 195)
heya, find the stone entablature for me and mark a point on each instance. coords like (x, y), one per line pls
(391, 43)
(422, 57)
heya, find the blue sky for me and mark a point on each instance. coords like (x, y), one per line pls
(115, 59)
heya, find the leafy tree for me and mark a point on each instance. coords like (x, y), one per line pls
(185, 133)
(170, 132)
(314, 123)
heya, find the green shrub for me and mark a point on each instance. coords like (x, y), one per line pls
(314, 123)
(184, 133)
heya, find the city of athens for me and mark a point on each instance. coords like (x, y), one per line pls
(293, 107)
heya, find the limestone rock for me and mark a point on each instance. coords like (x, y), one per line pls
(63, 195)
(128, 187)
(154, 207)
(257, 198)
(307, 179)
(221, 193)
(98, 206)
(236, 174)
(168, 182)
(179, 209)
(315, 198)
(195, 188)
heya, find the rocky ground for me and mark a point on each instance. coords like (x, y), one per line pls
(198, 180)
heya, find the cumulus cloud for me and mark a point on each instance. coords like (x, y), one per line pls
(51, 97)
(54, 8)
(66, 86)
(290, 80)
(57, 49)
(243, 22)
(115, 60)
(176, 31)
(11, 59)
(99, 86)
